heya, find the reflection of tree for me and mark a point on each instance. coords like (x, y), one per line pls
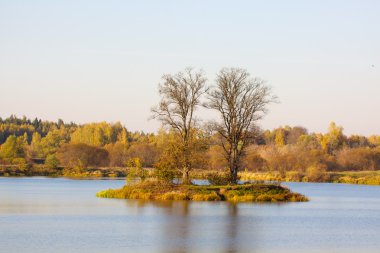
(178, 229)
(240, 232)
(175, 216)
(232, 226)
(180, 225)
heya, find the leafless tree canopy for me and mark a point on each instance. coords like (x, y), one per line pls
(180, 95)
(241, 101)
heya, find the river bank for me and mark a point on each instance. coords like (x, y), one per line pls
(43, 171)
(347, 177)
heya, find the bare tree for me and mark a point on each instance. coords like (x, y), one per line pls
(180, 95)
(241, 101)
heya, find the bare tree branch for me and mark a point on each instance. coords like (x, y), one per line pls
(241, 102)
(180, 95)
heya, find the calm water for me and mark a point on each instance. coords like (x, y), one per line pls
(61, 215)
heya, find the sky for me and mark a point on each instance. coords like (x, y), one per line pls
(92, 61)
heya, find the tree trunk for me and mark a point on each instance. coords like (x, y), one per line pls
(233, 176)
(234, 165)
(186, 177)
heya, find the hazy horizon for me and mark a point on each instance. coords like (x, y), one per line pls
(92, 61)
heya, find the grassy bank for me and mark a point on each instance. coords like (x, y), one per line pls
(347, 177)
(356, 177)
(42, 170)
(157, 190)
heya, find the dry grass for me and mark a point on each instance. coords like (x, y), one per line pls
(157, 190)
(346, 177)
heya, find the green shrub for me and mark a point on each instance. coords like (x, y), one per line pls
(136, 170)
(218, 178)
(21, 162)
(52, 162)
(164, 174)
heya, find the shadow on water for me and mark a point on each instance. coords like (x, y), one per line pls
(187, 226)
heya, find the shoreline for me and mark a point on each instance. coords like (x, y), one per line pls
(120, 173)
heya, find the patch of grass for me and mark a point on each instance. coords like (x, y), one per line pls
(356, 177)
(174, 195)
(212, 196)
(158, 190)
(261, 176)
(346, 177)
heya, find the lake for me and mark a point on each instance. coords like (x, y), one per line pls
(61, 215)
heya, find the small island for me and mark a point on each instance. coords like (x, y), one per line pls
(239, 101)
(161, 190)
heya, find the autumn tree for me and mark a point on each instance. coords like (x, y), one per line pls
(35, 147)
(146, 152)
(295, 133)
(309, 141)
(52, 162)
(82, 155)
(253, 161)
(334, 139)
(361, 158)
(118, 150)
(98, 134)
(117, 153)
(51, 142)
(280, 137)
(358, 141)
(14, 147)
(215, 158)
(180, 96)
(171, 153)
(374, 140)
(241, 102)
(136, 170)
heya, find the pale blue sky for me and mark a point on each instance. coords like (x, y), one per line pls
(86, 61)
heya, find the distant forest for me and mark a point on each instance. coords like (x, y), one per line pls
(25, 141)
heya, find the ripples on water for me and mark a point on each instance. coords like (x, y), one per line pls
(61, 215)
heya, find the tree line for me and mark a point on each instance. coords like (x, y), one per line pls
(232, 143)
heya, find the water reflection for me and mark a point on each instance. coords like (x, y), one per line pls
(340, 218)
(232, 227)
(185, 225)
